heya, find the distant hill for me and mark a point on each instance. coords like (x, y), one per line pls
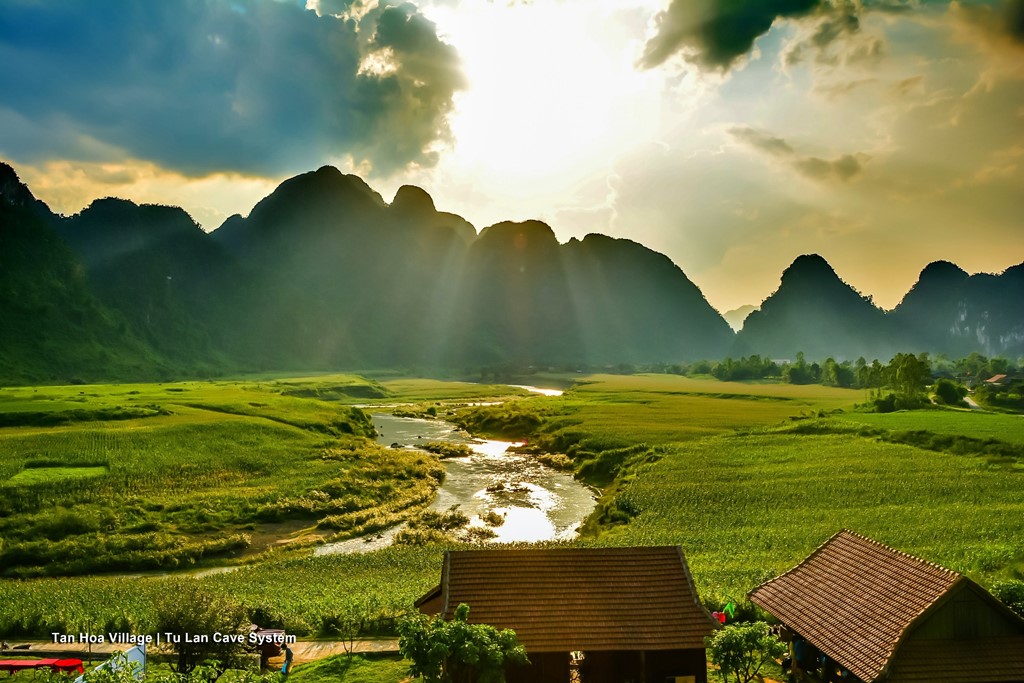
(155, 266)
(814, 311)
(737, 316)
(630, 297)
(405, 284)
(368, 282)
(53, 327)
(325, 274)
(951, 312)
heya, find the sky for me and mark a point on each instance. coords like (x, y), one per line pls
(731, 135)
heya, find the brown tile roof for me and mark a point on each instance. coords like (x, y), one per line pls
(992, 660)
(561, 600)
(853, 599)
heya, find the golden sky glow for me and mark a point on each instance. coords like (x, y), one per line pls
(881, 139)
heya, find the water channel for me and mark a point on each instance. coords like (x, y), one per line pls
(537, 502)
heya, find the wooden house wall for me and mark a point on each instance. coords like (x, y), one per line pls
(965, 616)
(433, 606)
(544, 667)
(614, 667)
(665, 663)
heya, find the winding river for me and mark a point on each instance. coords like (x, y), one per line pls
(537, 502)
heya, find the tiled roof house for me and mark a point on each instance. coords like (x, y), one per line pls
(632, 612)
(881, 615)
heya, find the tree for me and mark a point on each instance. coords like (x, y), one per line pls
(908, 374)
(194, 617)
(352, 619)
(835, 374)
(949, 392)
(456, 651)
(740, 650)
(798, 372)
(998, 366)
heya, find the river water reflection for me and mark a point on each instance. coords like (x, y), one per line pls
(537, 502)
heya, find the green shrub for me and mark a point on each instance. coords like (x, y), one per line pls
(1011, 594)
(950, 392)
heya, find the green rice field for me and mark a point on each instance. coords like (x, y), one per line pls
(748, 478)
(190, 472)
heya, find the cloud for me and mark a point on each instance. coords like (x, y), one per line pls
(205, 86)
(1015, 20)
(335, 7)
(715, 33)
(766, 143)
(844, 168)
(1004, 19)
(834, 35)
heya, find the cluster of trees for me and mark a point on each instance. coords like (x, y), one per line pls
(859, 374)
(898, 384)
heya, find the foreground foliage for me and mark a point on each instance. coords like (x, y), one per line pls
(456, 651)
(742, 650)
(184, 609)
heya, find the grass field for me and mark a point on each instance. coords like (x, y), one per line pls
(747, 477)
(309, 596)
(624, 410)
(358, 669)
(34, 476)
(746, 508)
(978, 425)
(723, 469)
(212, 469)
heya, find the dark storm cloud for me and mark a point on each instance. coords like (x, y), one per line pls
(843, 168)
(998, 17)
(200, 86)
(1015, 19)
(715, 33)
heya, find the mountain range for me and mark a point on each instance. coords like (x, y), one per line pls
(324, 274)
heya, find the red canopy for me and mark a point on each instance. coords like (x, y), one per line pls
(12, 666)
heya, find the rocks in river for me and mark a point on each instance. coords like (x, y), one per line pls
(446, 449)
(500, 487)
(492, 518)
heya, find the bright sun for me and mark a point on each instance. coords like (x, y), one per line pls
(553, 90)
